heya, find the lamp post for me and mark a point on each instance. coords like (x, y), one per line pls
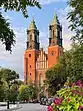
(7, 104)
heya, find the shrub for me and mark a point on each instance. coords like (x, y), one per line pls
(69, 98)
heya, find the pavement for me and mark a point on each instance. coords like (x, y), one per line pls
(32, 107)
(12, 107)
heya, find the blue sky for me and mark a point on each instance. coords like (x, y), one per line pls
(43, 18)
(43, 15)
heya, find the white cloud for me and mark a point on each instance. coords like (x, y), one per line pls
(45, 2)
(44, 40)
(15, 60)
(66, 33)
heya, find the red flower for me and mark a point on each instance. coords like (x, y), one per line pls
(49, 108)
(68, 99)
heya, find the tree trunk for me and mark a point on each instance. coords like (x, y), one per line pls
(7, 104)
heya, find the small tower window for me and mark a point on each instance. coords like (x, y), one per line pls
(30, 66)
(29, 55)
(52, 53)
(30, 73)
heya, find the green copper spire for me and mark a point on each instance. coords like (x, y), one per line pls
(32, 25)
(55, 19)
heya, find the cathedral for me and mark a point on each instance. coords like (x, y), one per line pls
(36, 60)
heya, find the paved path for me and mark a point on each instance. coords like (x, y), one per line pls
(32, 107)
(5, 107)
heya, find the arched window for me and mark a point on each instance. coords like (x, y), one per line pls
(35, 38)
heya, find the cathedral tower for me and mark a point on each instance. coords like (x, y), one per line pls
(36, 61)
(31, 53)
(55, 48)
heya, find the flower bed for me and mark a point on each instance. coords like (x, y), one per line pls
(69, 98)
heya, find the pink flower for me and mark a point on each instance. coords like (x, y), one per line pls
(58, 101)
(80, 107)
(79, 83)
(49, 108)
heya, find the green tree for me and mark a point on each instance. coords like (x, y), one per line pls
(9, 75)
(7, 35)
(77, 62)
(56, 77)
(32, 92)
(9, 85)
(23, 93)
(70, 65)
(75, 17)
(73, 62)
(1, 91)
(13, 93)
(20, 82)
(66, 62)
(27, 92)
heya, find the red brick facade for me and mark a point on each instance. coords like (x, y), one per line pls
(36, 61)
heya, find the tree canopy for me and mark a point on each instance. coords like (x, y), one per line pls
(70, 65)
(7, 35)
(56, 77)
(8, 84)
(27, 92)
(75, 17)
